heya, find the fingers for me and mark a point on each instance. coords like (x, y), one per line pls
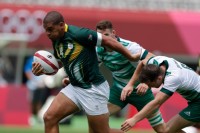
(37, 69)
(126, 92)
(123, 95)
(129, 92)
(142, 89)
(125, 126)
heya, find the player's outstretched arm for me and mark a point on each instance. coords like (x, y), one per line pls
(146, 111)
(115, 45)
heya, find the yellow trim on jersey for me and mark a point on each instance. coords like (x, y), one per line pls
(66, 27)
(77, 50)
(67, 52)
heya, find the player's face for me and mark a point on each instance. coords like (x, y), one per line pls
(54, 31)
(107, 32)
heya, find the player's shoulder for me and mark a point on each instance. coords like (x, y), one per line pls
(156, 60)
(73, 28)
(173, 77)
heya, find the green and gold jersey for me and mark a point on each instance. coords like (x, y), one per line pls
(76, 50)
(121, 68)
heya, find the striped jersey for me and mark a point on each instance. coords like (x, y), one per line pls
(121, 68)
(76, 50)
(179, 77)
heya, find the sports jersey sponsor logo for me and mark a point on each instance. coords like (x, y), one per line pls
(22, 21)
(187, 113)
(90, 37)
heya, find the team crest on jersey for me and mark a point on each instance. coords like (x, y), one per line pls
(70, 46)
(90, 37)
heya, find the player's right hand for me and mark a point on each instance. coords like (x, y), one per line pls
(127, 90)
(142, 88)
(37, 69)
(128, 124)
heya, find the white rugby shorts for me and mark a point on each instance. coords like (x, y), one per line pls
(93, 100)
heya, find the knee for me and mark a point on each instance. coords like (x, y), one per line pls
(165, 130)
(48, 118)
(161, 128)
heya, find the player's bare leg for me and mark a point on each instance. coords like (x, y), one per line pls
(112, 110)
(98, 123)
(61, 107)
(176, 124)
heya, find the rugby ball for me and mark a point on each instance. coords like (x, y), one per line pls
(47, 61)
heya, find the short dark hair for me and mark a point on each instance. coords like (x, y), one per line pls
(104, 24)
(149, 73)
(54, 17)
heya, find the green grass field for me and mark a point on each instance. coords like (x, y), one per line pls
(78, 125)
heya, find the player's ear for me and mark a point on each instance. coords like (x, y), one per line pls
(62, 24)
(160, 78)
(114, 32)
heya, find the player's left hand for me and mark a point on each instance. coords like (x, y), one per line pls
(128, 124)
(142, 88)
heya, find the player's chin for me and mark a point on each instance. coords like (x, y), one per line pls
(53, 38)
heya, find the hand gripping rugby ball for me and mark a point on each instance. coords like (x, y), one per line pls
(47, 61)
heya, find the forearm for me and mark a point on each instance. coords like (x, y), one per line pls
(135, 76)
(146, 111)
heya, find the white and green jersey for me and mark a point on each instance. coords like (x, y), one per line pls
(179, 77)
(122, 69)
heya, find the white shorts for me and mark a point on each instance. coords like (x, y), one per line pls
(93, 100)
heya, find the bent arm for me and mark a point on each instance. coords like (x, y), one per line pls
(135, 76)
(138, 70)
(115, 45)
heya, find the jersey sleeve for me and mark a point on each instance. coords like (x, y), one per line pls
(134, 48)
(89, 37)
(100, 52)
(171, 84)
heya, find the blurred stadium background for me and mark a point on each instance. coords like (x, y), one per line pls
(165, 27)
